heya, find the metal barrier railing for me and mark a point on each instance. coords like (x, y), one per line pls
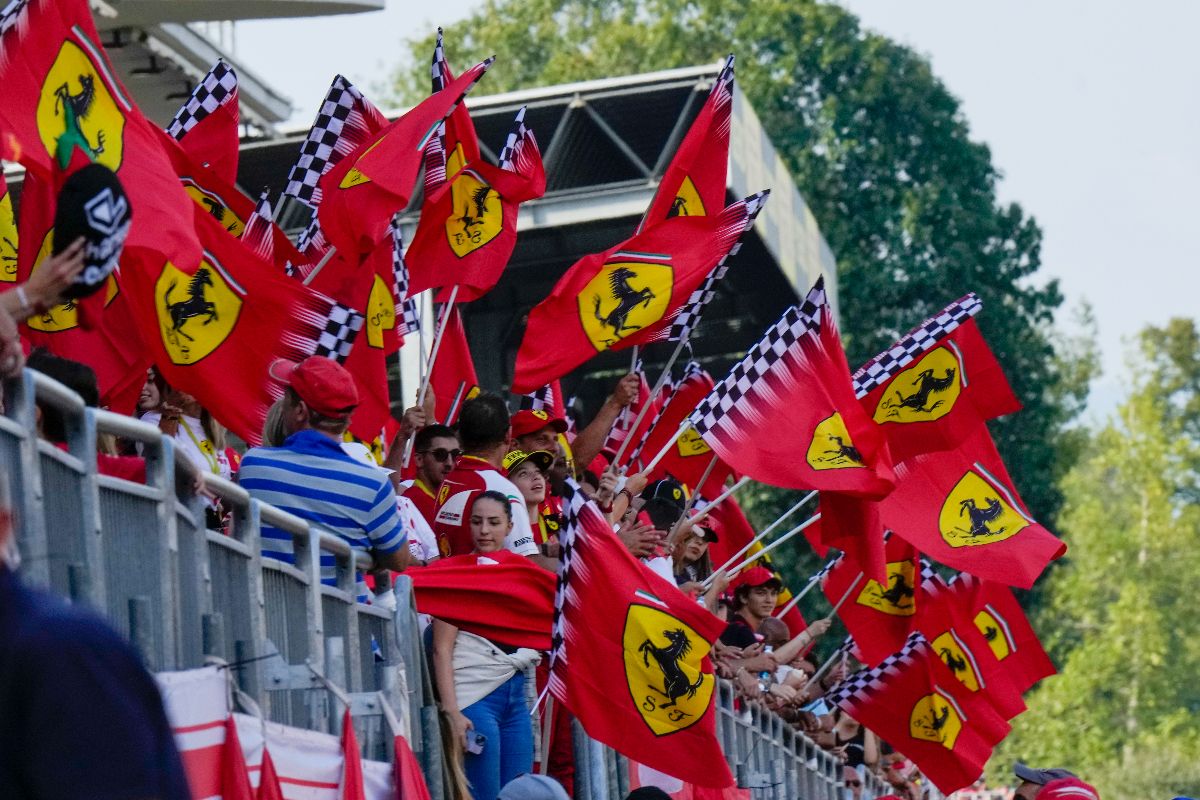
(301, 650)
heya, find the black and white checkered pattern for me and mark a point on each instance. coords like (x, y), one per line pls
(687, 319)
(880, 369)
(790, 329)
(346, 120)
(435, 151)
(218, 86)
(690, 371)
(439, 70)
(411, 317)
(861, 685)
(538, 400)
(518, 139)
(573, 502)
(341, 329)
(257, 233)
(15, 14)
(814, 301)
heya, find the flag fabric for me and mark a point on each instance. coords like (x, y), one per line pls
(206, 127)
(548, 398)
(662, 401)
(879, 615)
(362, 192)
(694, 182)
(410, 783)
(689, 456)
(352, 769)
(963, 649)
(268, 781)
(999, 618)
(235, 781)
(626, 295)
(257, 233)
(960, 508)
(453, 373)
(913, 702)
(854, 526)
(630, 655)
(786, 414)
(468, 226)
(500, 596)
(622, 429)
(8, 237)
(934, 387)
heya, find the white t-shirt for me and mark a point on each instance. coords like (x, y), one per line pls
(421, 541)
(463, 486)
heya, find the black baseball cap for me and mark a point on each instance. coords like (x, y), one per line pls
(668, 491)
(1040, 776)
(92, 204)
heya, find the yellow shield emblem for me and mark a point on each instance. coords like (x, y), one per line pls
(958, 657)
(897, 599)
(626, 296)
(62, 317)
(8, 240)
(663, 669)
(994, 629)
(477, 216)
(354, 177)
(925, 391)
(687, 201)
(214, 205)
(690, 444)
(381, 312)
(831, 447)
(195, 312)
(975, 513)
(936, 718)
(75, 107)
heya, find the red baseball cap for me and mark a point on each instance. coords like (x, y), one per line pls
(757, 576)
(525, 422)
(324, 385)
(1068, 789)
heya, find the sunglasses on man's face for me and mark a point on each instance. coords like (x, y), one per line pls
(441, 454)
(854, 784)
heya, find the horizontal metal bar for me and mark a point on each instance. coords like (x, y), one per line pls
(335, 593)
(230, 543)
(10, 427)
(373, 611)
(128, 428)
(284, 521)
(227, 490)
(129, 487)
(332, 543)
(61, 456)
(54, 393)
(185, 512)
(285, 568)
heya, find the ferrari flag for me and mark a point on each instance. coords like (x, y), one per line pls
(630, 656)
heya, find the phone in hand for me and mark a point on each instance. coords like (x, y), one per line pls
(475, 742)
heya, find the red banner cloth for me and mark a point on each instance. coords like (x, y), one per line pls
(454, 370)
(689, 456)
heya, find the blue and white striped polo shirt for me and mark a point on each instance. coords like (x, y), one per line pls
(313, 478)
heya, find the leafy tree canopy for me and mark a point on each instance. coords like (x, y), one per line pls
(878, 147)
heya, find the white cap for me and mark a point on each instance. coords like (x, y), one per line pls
(361, 453)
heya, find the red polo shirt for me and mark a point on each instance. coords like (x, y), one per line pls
(452, 517)
(423, 499)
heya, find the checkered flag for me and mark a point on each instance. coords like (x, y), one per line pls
(691, 370)
(793, 327)
(860, 686)
(346, 120)
(689, 316)
(539, 399)
(574, 503)
(435, 151)
(219, 86)
(880, 369)
(257, 235)
(15, 14)
(341, 329)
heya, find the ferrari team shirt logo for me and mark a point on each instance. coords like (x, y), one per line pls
(691, 444)
(64, 316)
(631, 292)
(897, 598)
(955, 654)
(925, 391)
(381, 312)
(663, 667)
(215, 206)
(76, 109)
(831, 447)
(936, 718)
(196, 312)
(8, 240)
(687, 201)
(996, 631)
(979, 510)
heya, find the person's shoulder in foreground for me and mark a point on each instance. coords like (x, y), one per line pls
(79, 715)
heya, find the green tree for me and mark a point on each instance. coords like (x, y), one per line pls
(877, 145)
(1121, 617)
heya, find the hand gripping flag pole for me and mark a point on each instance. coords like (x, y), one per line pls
(437, 343)
(767, 530)
(799, 528)
(691, 501)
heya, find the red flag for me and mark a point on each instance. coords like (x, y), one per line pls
(879, 615)
(786, 415)
(690, 455)
(694, 183)
(961, 509)
(352, 776)
(913, 702)
(364, 190)
(114, 348)
(410, 783)
(235, 780)
(206, 127)
(500, 596)
(268, 778)
(997, 615)
(453, 374)
(963, 649)
(934, 387)
(625, 295)
(8, 237)
(630, 656)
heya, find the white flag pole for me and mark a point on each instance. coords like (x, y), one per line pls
(437, 344)
(772, 545)
(767, 530)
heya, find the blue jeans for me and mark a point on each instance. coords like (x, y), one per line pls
(503, 718)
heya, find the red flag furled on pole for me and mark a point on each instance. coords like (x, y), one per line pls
(879, 616)
(500, 596)
(206, 127)
(454, 370)
(694, 182)
(913, 702)
(689, 456)
(626, 295)
(367, 187)
(630, 657)
(960, 508)
(934, 387)
(999, 618)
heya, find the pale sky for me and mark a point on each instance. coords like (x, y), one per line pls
(1090, 109)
